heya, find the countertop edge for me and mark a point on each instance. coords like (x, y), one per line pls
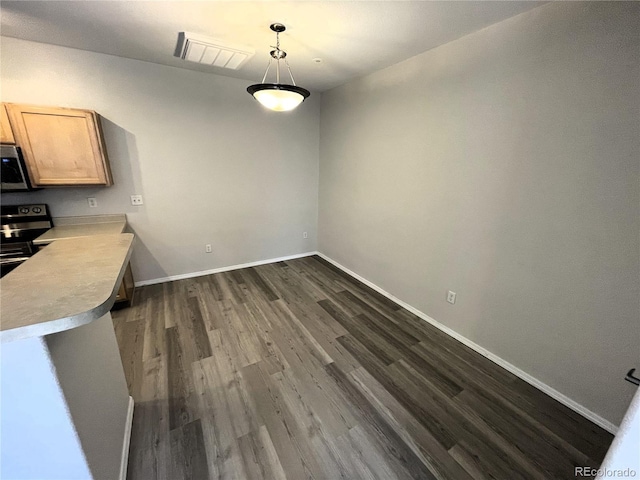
(67, 323)
(47, 239)
(89, 219)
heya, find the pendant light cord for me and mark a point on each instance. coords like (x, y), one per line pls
(265, 73)
(278, 59)
(290, 74)
(278, 56)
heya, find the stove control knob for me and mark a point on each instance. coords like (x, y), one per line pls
(37, 210)
(24, 210)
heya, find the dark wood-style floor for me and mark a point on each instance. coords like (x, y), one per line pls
(296, 370)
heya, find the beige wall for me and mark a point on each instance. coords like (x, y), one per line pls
(212, 165)
(504, 166)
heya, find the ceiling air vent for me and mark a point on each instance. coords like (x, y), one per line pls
(200, 49)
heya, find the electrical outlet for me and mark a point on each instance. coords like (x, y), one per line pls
(92, 201)
(136, 200)
(305, 235)
(451, 297)
(207, 248)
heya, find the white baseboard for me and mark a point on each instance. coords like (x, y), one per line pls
(124, 458)
(573, 405)
(221, 269)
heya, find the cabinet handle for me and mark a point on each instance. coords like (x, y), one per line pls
(631, 378)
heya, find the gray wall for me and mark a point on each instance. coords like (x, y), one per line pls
(212, 165)
(503, 166)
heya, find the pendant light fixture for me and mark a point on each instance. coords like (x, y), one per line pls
(280, 97)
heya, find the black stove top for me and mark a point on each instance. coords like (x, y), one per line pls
(21, 224)
(24, 222)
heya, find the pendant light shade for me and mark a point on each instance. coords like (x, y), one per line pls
(279, 97)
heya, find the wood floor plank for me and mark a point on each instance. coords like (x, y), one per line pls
(232, 287)
(154, 342)
(206, 298)
(551, 455)
(305, 369)
(306, 412)
(289, 437)
(253, 277)
(321, 326)
(396, 450)
(393, 332)
(295, 324)
(469, 463)
(213, 286)
(366, 303)
(316, 277)
(131, 350)
(171, 300)
(295, 370)
(361, 455)
(179, 381)
(149, 455)
(191, 287)
(418, 438)
(499, 396)
(549, 414)
(313, 288)
(220, 430)
(356, 286)
(472, 454)
(402, 346)
(351, 454)
(260, 458)
(443, 342)
(260, 326)
(230, 387)
(189, 456)
(299, 301)
(194, 331)
(137, 310)
(311, 392)
(269, 415)
(564, 422)
(342, 304)
(465, 423)
(382, 350)
(235, 335)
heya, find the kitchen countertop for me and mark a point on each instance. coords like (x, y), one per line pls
(75, 227)
(70, 283)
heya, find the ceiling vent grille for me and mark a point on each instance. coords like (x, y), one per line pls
(200, 49)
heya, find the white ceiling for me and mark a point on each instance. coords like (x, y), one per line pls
(352, 38)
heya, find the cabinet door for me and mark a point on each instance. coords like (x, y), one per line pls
(6, 134)
(61, 146)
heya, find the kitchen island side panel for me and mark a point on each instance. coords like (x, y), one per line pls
(38, 437)
(90, 372)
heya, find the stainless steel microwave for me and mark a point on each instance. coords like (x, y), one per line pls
(13, 177)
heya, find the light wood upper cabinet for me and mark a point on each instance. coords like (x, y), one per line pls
(61, 146)
(6, 134)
